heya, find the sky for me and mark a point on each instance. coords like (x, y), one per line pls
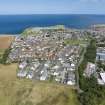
(52, 6)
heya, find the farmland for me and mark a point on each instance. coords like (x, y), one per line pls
(5, 41)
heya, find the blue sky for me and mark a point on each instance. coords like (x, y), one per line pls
(52, 6)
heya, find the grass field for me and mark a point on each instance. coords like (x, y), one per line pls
(24, 92)
(74, 42)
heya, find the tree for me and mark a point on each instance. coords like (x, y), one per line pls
(5, 56)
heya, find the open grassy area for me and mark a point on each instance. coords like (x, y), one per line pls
(8, 72)
(75, 42)
(25, 92)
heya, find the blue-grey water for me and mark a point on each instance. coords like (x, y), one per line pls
(15, 24)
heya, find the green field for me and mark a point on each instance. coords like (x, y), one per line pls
(75, 42)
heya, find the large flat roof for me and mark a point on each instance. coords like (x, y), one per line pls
(103, 76)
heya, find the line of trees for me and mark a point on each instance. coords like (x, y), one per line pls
(93, 94)
(4, 58)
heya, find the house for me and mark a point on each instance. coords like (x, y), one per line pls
(71, 78)
(30, 75)
(70, 82)
(100, 54)
(22, 65)
(22, 73)
(90, 69)
(72, 65)
(44, 74)
(100, 81)
(103, 77)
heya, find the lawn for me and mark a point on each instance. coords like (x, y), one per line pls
(25, 92)
(75, 42)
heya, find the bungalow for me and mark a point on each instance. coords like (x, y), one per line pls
(30, 75)
(103, 76)
(22, 73)
(23, 65)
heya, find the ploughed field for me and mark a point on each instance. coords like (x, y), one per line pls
(5, 41)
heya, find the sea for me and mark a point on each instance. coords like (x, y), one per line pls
(16, 24)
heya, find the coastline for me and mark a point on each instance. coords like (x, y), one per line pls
(11, 35)
(36, 29)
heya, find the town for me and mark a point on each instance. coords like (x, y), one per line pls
(46, 54)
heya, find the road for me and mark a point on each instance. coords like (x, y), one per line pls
(77, 72)
(37, 71)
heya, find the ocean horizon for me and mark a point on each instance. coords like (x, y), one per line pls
(16, 24)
